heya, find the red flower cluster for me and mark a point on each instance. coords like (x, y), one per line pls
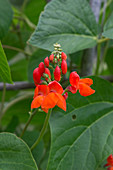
(109, 162)
(49, 93)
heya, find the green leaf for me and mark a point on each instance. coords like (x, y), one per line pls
(15, 154)
(68, 22)
(30, 138)
(81, 138)
(6, 16)
(108, 28)
(4, 68)
(34, 61)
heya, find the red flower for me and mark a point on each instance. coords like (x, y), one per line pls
(83, 85)
(57, 73)
(109, 162)
(46, 62)
(64, 67)
(36, 76)
(54, 97)
(63, 56)
(51, 57)
(49, 96)
(41, 68)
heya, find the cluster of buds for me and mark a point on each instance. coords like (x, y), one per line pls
(49, 91)
(55, 62)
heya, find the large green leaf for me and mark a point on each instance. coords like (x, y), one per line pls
(15, 154)
(82, 138)
(35, 60)
(108, 28)
(4, 68)
(6, 15)
(68, 22)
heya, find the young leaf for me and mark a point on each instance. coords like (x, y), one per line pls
(6, 16)
(108, 28)
(82, 138)
(4, 68)
(15, 154)
(68, 22)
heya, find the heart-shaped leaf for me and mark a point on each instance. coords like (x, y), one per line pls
(82, 137)
(68, 22)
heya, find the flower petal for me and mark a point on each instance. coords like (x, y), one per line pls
(36, 92)
(54, 86)
(110, 168)
(110, 160)
(87, 81)
(50, 101)
(74, 79)
(61, 101)
(45, 110)
(72, 89)
(85, 90)
(37, 101)
(43, 90)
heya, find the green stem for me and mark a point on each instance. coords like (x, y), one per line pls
(23, 5)
(28, 122)
(43, 130)
(102, 40)
(3, 100)
(98, 58)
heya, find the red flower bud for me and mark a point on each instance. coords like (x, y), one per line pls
(57, 73)
(41, 68)
(46, 62)
(47, 72)
(36, 76)
(63, 56)
(51, 57)
(64, 67)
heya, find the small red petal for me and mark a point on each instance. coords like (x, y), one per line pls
(74, 79)
(61, 102)
(64, 67)
(36, 91)
(47, 72)
(110, 168)
(57, 73)
(63, 56)
(50, 101)
(37, 102)
(65, 95)
(85, 90)
(45, 110)
(43, 90)
(46, 62)
(110, 160)
(87, 81)
(41, 68)
(72, 89)
(54, 86)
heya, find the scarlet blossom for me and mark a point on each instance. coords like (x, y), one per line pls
(36, 76)
(51, 57)
(46, 62)
(41, 68)
(109, 162)
(64, 67)
(65, 95)
(63, 56)
(83, 85)
(47, 96)
(57, 73)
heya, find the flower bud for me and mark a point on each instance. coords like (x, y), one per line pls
(36, 76)
(41, 68)
(51, 57)
(47, 72)
(46, 62)
(63, 56)
(57, 73)
(64, 67)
